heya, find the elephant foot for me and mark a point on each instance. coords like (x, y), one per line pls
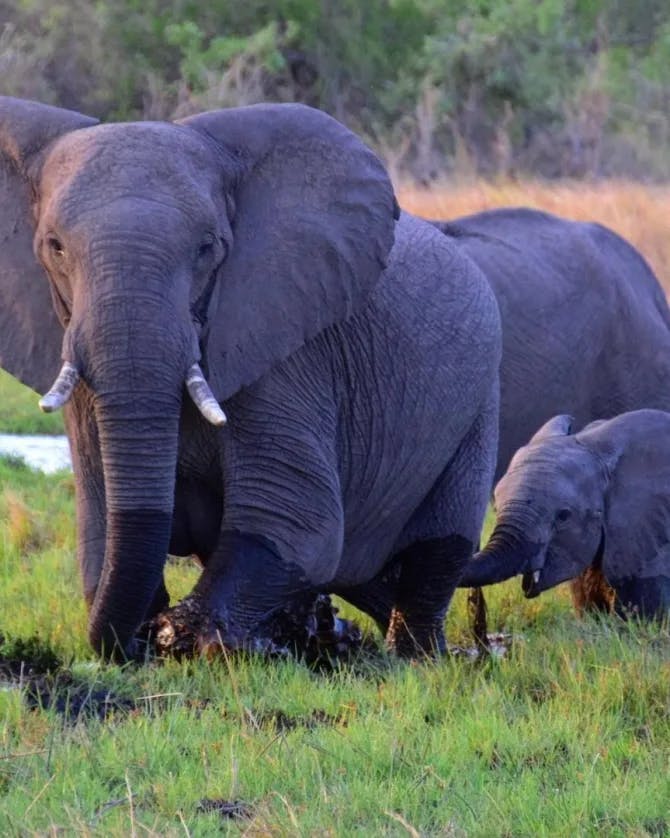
(307, 629)
(415, 640)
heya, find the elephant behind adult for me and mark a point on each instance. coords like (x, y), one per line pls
(356, 353)
(586, 325)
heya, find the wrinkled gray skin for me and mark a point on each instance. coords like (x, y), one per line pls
(595, 499)
(586, 325)
(355, 353)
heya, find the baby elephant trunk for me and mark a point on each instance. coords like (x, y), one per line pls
(506, 554)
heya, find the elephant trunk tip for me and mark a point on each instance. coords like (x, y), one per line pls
(61, 390)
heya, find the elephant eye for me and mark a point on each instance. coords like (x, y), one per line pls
(563, 514)
(55, 246)
(206, 246)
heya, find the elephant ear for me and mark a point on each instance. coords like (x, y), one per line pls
(30, 334)
(637, 509)
(313, 226)
(556, 426)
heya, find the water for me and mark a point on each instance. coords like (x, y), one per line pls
(46, 453)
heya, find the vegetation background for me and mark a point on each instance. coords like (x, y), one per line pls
(568, 733)
(497, 87)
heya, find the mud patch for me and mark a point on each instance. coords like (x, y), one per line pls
(226, 809)
(309, 630)
(74, 699)
(31, 665)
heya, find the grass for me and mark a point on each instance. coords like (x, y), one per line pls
(569, 734)
(19, 413)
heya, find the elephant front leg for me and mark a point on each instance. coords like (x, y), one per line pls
(245, 591)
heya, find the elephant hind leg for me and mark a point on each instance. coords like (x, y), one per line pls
(438, 540)
(645, 597)
(429, 573)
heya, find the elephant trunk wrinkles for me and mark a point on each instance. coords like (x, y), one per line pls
(137, 409)
(506, 554)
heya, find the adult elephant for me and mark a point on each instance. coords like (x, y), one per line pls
(586, 330)
(355, 351)
(586, 325)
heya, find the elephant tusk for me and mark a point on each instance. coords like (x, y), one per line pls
(61, 390)
(536, 577)
(200, 392)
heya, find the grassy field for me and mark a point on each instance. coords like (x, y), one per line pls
(568, 734)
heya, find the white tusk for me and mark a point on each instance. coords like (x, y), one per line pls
(203, 397)
(536, 577)
(61, 390)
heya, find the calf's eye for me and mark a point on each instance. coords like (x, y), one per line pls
(563, 514)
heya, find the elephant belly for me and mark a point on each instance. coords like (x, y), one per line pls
(196, 521)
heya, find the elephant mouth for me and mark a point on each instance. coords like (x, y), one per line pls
(530, 584)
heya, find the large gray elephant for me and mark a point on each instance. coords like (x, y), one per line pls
(596, 500)
(586, 325)
(586, 331)
(253, 258)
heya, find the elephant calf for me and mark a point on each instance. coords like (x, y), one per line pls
(594, 503)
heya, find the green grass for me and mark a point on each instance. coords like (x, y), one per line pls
(19, 413)
(568, 735)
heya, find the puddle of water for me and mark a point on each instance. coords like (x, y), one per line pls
(46, 453)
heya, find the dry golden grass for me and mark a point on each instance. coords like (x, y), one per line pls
(638, 212)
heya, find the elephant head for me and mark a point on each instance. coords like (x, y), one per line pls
(550, 513)
(137, 255)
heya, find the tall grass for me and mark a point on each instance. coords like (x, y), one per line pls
(636, 211)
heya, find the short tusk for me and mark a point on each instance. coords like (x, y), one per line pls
(536, 577)
(203, 397)
(61, 390)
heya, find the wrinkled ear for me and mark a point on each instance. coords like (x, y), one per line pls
(312, 229)
(556, 426)
(30, 334)
(637, 512)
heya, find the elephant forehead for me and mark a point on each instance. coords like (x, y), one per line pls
(131, 156)
(549, 474)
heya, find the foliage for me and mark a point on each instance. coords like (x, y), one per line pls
(494, 86)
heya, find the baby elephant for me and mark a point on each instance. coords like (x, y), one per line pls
(595, 503)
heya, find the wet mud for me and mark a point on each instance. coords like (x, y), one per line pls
(31, 665)
(226, 809)
(309, 631)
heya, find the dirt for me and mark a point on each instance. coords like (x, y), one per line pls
(226, 809)
(308, 630)
(32, 665)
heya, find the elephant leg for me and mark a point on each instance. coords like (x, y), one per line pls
(438, 540)
(243, 588)
(648, 597)
(430, 571)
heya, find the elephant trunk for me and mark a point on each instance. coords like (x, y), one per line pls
(136, 372)
(139, 461)
(507, 553)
